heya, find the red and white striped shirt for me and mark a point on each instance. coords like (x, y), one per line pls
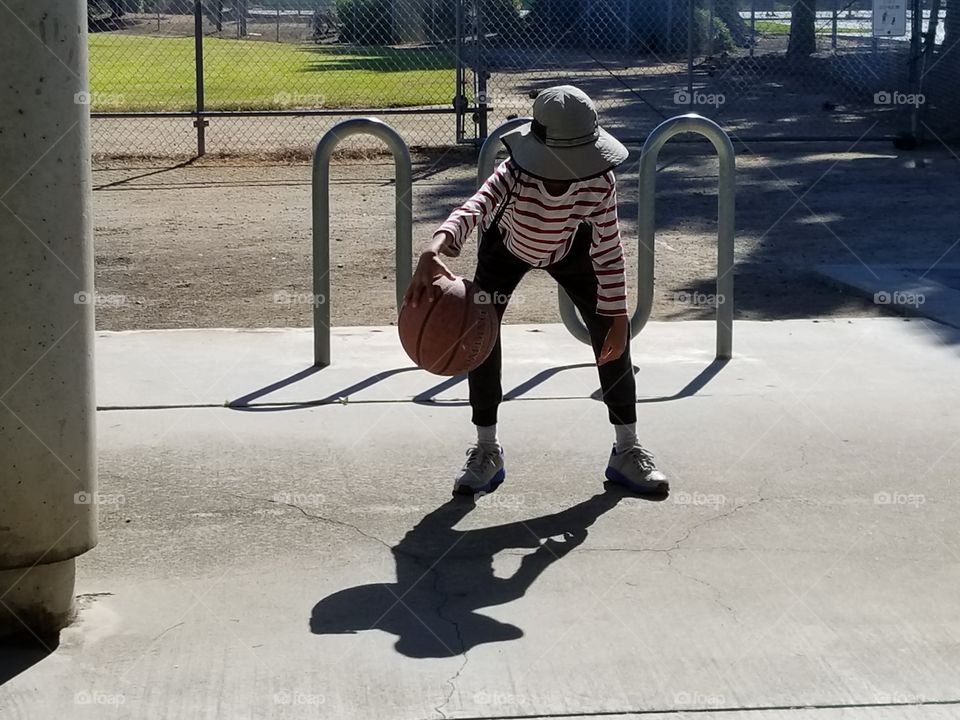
(539, 228)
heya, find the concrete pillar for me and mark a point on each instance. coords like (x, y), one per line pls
(48, 508)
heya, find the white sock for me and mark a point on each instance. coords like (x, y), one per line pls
(487, 436)
(626, 436)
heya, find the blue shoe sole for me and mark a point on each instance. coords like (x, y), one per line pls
(618, 478)
(484, 489)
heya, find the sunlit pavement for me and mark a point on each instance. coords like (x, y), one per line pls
(298, 555)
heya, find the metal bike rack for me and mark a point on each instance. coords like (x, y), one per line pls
(321, 220)
(690, 123)
(646, 221)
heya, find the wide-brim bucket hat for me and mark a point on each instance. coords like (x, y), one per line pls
(564, 141)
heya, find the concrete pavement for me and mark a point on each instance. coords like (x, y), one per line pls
(300, 557)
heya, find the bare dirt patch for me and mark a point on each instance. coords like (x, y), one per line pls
(228, 243)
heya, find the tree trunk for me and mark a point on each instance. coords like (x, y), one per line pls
(951, 33)
(803, 39)
(727, 11)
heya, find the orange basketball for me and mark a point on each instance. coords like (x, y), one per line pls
(454, 333)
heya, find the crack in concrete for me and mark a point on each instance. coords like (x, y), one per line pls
(716, 592)
(676, 546)
(428, 562)
(322, 518)
(452, 681)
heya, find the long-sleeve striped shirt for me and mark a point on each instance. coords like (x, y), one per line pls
(539, 228)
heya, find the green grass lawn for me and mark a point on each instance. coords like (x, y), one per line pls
(130, 72)
(771, 27)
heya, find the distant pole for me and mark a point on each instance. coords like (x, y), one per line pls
(481, 74)
(833, 30)
(710, 32)
(916, 43)
(669, 33)
(278, 23)
(200, 123)
(690, 36)
(627, 7)
(753, 25)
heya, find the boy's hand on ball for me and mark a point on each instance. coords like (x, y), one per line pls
(429, 268)
(616, 340)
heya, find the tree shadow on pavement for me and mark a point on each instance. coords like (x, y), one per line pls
(444, 576)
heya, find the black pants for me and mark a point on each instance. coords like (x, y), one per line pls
(498, 273)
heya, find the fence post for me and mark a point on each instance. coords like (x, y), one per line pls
(917, 64)
(459, 99)
(690, 37)
(710, 30)
(669, 22)
(199, 123)
(480, 75)
(278, 23)
(627, 19)
(833, 31)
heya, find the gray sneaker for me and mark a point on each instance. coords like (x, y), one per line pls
(482, 472)
(635, 470)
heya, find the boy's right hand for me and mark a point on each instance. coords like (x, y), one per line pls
(429, 268)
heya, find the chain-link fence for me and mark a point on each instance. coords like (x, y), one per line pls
(174, 77)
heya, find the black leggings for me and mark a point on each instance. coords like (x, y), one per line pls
(498, 273)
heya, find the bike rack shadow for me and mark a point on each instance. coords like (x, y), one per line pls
(695, 385)
(424, 398)
(243, 403)
(427, 397)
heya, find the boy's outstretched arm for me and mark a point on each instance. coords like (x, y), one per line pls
(449, 238)
(607, 255)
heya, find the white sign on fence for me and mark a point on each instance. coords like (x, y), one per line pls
(889, 18)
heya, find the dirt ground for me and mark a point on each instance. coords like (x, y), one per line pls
(228, 244)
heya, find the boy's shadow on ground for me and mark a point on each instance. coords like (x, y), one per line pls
(444, 576)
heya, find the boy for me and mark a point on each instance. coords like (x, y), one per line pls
(551, 205)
